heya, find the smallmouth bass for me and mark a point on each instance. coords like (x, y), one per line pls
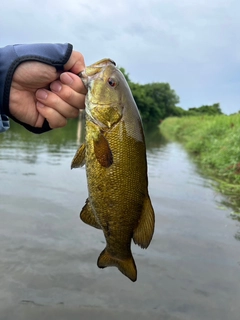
(114, 153)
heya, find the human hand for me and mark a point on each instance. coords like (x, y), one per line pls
(39, 92)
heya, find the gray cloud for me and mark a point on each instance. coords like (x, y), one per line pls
(193, 45)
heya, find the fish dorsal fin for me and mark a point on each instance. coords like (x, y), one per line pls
(102, 151)
(79, 158)
(126, 266)
(143, 233)
(87, 215)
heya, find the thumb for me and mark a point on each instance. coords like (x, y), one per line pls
(75, 63)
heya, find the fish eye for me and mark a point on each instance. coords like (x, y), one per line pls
(112, 82)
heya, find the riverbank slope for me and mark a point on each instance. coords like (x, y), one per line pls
(213, 140)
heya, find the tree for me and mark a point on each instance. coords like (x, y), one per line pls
(155, 101)
(206, 109)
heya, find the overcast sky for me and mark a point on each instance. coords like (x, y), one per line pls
(192, 44)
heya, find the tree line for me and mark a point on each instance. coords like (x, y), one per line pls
(157, 101)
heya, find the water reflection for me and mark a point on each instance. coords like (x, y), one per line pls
(230, 195)
(154, 138)
(17, 144)
(48, 256)
(237, 236)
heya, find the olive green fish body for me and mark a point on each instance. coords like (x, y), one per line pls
(116, 167)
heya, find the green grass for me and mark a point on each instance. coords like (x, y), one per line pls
(214, 140)
(215, 143)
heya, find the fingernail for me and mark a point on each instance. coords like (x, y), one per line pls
(66, 79)
(40, 105)
(41, 94)
(56, 86)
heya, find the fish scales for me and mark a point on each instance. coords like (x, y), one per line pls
(119, 192)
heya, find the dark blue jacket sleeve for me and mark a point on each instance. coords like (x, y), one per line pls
(11, 56)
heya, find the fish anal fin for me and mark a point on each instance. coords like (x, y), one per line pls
(79, 158)
(143, 233)
(126, 266)
(102, 151)
(88, 217)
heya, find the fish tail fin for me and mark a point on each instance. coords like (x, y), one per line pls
(126, 266)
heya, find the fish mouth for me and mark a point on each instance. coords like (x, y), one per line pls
(91, 72)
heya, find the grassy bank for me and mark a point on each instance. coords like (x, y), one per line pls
(214, 140)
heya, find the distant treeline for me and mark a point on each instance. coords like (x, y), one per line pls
(157, 101)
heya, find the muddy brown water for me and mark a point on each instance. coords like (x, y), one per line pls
(48, 270)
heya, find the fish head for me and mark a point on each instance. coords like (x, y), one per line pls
(107, 88)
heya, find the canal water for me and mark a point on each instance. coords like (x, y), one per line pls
(191, 271)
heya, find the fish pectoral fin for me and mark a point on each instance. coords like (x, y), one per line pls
(88, 217)
(126, 266)
(143, 233)
(79, 158)
(102, 151)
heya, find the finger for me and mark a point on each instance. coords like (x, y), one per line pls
(74, 81)
(75, 63)
(68, 94)
(54, 118)
(39, 121)
(54, 101)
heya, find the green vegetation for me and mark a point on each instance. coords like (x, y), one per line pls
(215, 140)
(211, 110)
(155, 101)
